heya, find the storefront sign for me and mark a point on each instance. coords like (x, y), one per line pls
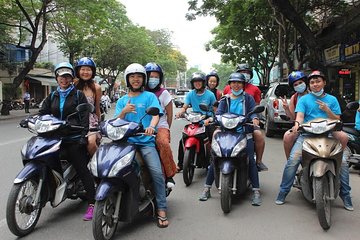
(332, 54)
(352, 51)
(344, 71)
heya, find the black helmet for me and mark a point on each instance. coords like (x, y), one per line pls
(197, 76)
(244, 67)
(213, 74)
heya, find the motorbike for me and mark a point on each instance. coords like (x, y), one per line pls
(125, 186)
(354, 137)
(103, 109)
(45, 176)
(319, 178)
(196, 145)
(230, 159)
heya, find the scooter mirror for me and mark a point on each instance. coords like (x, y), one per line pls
(352, 105)
(285, 118)
(153, 111)
(204, 107)
(85, 107)
(258, 109)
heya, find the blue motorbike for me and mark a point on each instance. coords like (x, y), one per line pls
(230, 159)
(45, 176)
(125, 186)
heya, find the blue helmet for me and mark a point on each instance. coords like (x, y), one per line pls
(237, 77)
(295, 76)
(64, 68)
(85, 61)
(213, 74)
(154, 67)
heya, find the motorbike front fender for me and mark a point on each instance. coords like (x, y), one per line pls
(30, 169)
(320, 167)
(227, 167)
(192, 141)
(103, 190)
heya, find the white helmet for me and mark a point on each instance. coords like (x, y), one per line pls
(135, 68)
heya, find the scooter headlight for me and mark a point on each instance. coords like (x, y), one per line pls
(124, 161)
(231, 123)
(216, 148)
(116, 133)
(240, 146)
(45, 126)
(93, 165)
(195, 117)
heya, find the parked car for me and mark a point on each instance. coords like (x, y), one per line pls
(179, 101)
(274, 108)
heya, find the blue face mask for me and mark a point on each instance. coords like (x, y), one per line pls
(300, 88)
(153, 82)
(319, 93)
(237, 93)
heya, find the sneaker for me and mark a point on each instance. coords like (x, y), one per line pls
(347, 203)
(256, 198)
(89, 213)
(261, 167)
(280, 200)
(170, 183)
(205, 195)
(179, 168)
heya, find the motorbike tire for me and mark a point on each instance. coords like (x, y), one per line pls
(103, 223)
(188, 165)
(323, 204)
(18, 210)
(268, 132)
(226, 196)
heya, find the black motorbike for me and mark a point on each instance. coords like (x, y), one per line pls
(45, 176)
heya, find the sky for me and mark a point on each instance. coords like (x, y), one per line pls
(189, 37)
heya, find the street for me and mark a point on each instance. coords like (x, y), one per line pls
(189, 218)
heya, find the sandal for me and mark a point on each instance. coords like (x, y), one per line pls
(161, 221)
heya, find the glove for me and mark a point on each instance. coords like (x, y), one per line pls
(83, 141)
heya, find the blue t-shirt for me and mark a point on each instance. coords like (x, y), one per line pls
(357, 120)
(308, 105)
(236, 107)
(194, 99)
(142, 102)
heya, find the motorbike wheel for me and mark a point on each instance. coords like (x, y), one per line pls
(188, 166)
(323, 204)
(268, 132)
(226, 185)
(104, 223)
(21, 216)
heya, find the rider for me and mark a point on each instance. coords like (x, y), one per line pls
(318, 104)
(298, 82)
(256, 93)
(212, 82)
(357, 120)
(131, 107)
(155, 78)
(61, 103)
(198, 95)
(85, 71)
(240, 103)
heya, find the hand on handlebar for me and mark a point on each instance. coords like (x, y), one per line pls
(149, 131)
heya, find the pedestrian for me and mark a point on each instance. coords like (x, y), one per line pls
(26, 98)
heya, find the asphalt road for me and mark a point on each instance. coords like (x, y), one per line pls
(189, 218)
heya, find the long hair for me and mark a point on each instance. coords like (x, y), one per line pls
(81, 84)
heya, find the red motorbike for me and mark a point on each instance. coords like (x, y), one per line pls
(196, 145)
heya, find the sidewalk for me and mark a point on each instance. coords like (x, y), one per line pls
(19, 114)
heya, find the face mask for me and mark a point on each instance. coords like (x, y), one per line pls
(247, 77)
(153, 82)
(237, 93)
(319, 93)
(300, 88)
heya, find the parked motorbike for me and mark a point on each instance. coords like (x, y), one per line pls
(354, 138)
(16, 105)
(125, 186)
(230, 159)
(196, 145)
(45, 176)
(319, 178)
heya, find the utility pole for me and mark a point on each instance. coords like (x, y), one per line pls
(280, 42)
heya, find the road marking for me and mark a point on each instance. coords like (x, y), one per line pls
(2, 223)
(13, 141)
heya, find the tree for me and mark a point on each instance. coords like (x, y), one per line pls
(26, 18)
(223, 70)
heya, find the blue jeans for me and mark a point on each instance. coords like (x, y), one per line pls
(293, 163)
(152, 160)
(253, 171)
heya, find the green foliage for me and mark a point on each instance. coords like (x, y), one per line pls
(223, 70)
(46, 65)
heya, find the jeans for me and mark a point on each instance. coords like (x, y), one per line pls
(253, 171)
(152, 160)
(293, 163)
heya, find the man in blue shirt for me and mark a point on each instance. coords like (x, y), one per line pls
(198, 95)
(357, 120)
(317, 104)
(132, 107)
